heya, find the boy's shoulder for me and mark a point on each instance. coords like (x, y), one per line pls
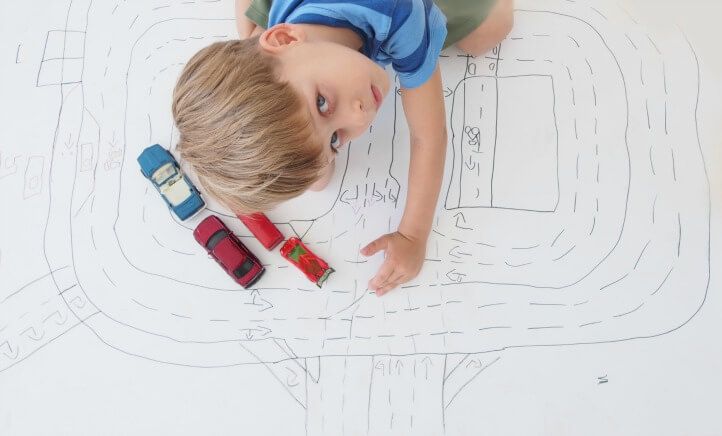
(408, 34)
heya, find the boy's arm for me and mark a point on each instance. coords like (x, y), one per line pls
(406, 248)
(426, 117)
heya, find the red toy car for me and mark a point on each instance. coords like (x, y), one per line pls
(315, 268)
(263, 229)
(228, 251)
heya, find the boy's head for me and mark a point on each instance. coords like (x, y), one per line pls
(261, 119)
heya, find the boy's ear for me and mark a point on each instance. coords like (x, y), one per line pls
(277, 38)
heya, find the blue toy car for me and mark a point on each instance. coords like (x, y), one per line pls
(159, 166)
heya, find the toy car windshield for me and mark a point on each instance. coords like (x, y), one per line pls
(163, 173)
(168, 180)
(243, 269)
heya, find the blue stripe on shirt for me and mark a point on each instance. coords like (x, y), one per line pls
(406, 33)
(359, 16)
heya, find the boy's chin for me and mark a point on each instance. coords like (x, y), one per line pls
(322, 183)
(319, 185)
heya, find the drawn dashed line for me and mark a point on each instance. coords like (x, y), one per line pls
(589, 323)
(627, 313)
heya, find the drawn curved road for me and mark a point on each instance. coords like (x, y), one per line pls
(574, 209)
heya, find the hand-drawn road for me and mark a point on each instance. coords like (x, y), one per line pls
(575, 209)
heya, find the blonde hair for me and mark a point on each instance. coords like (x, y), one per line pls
(245, 133)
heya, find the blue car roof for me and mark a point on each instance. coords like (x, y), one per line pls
(153, 158)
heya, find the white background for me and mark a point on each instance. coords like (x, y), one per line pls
(669, 385)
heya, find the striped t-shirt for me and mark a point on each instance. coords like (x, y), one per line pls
(408, 34)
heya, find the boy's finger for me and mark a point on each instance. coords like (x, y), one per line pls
(393, 279)
(381, 277)
(386, 288)
(374, 246)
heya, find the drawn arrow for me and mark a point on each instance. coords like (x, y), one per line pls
(292, 378)
(265, 304)
(9, 353)
(470, 165)
(457, 275)
(346, 198)
(61, 317)
(458, 254)
(448, 92)
(378, 196)
(258, 301)
(78, 302)
(460, 216)
(313, 368)
(399, 367)
(262, 331)
(69, 142)
(34, 335)
(475, 363)
(380, 365)
(427, 362)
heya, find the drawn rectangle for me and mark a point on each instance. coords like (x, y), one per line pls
(51, 72)
(61, 44)
(72, 70)
(525, 159)
(54, 45)
(33, 176)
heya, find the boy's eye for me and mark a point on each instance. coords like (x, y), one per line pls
(323, 108)
(335, 142)
(322, 103)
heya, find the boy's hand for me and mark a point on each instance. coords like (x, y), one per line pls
(404, 258)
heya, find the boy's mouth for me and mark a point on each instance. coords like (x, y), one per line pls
(378, 98)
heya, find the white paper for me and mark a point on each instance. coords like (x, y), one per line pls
(573, 236)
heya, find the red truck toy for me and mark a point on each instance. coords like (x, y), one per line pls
(315, 268)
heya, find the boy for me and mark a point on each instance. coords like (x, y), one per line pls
(261, 119)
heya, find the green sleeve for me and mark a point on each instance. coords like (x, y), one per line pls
(258, 12)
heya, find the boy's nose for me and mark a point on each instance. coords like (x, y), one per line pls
(359, 110)
(360, 105)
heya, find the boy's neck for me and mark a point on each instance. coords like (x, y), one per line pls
(339, 35)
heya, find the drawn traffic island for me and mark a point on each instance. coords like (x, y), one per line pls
(574, 209)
